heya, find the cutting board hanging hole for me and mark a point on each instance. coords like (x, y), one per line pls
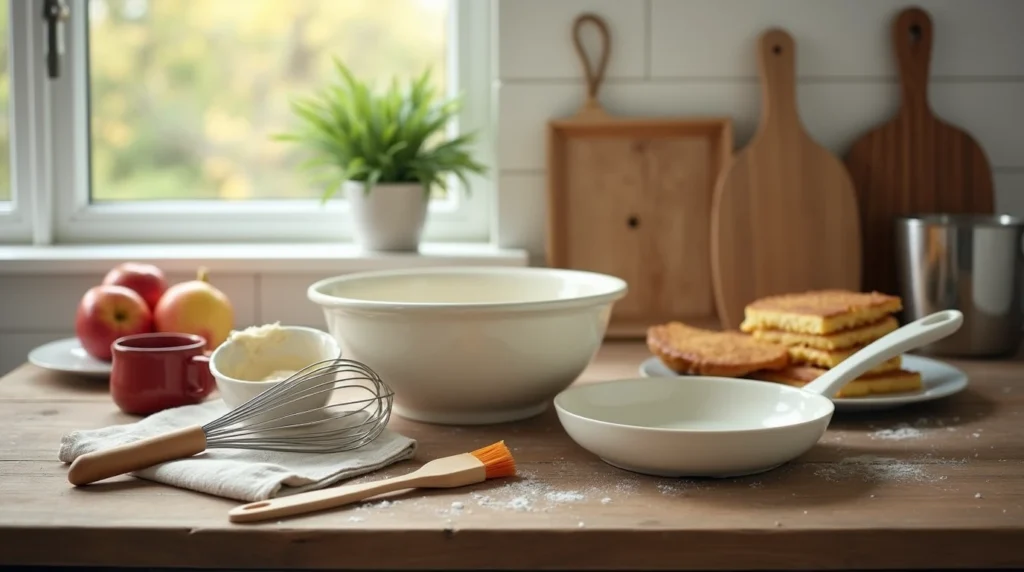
(915, 33)
(633, 222)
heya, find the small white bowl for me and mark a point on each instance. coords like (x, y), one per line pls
(298, 347)
(470, 345)
(693, 426)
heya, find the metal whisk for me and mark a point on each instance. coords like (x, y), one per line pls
(295, 415)
(329, 406)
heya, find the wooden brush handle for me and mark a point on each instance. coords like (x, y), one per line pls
(99, 465)
(320, 500)
(912, 41)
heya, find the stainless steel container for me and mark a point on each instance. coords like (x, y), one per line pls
(971, 263)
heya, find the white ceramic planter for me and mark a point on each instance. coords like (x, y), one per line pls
(388, 218)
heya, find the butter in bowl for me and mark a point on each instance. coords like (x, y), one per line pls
(257, 358)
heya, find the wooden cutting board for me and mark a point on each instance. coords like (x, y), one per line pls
(915, 162)
(631, 197)
(785, 212)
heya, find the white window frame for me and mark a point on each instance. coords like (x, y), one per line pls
(60, 211)
(18, 220)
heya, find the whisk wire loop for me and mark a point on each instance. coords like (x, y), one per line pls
(299, 414)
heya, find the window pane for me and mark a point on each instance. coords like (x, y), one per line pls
(5, 100)
(186, 94)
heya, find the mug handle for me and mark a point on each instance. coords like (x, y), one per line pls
(200, 379)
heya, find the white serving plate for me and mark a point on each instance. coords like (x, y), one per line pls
(939, 379)
(68, 356)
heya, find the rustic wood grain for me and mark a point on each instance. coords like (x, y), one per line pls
(785, 212)
(959, 503)
(631, 197)
(915, 162)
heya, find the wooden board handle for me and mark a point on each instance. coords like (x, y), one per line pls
(594, 74)
(314, 501)
(99, 465)
(912, 41)
(777, 63)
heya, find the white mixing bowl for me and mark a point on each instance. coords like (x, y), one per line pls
(294, 349)
(470, 345)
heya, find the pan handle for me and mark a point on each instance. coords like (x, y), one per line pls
(919, 333)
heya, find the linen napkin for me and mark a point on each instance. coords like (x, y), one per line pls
(240, 474)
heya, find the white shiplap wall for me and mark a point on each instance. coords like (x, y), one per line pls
(697, 57)
(670, 57)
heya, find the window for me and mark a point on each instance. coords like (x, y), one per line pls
(5, 98)
(17, 137)
(159, 125)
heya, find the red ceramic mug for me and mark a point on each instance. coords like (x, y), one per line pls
(155, 371)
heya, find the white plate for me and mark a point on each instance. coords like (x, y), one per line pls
(939, 379)
(67, 355)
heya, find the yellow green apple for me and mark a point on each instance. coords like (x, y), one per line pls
(196, 307)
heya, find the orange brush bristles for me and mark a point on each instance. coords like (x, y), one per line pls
(497, 460)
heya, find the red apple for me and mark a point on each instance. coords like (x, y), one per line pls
(107, 312)
(146, 279)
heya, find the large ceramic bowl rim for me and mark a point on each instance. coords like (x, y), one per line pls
(610, 289)
(718, 380)
(217, 373)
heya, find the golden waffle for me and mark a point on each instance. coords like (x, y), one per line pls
(896, 381)
(689, 350)
(842, 339)
(818, 312)
(830, 359)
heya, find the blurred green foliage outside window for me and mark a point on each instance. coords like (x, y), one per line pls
(184, 94)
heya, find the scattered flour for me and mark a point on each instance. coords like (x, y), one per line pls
(871, 468)
(356, 519)
(898, 433)
(564, 496)
(532, 495)
(679, 487)
(977, 495)
(606, 500)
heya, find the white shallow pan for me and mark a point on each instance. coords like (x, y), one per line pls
(697, 426)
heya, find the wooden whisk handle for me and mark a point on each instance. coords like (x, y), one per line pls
(99, 465)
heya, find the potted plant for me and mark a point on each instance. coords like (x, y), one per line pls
(386, 150)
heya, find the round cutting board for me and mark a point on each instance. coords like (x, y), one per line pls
(784, 215)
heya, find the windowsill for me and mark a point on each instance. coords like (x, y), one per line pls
(276, 258)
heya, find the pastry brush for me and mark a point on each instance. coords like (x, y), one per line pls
(490, 462)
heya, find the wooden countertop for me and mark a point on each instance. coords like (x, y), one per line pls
(943, 491)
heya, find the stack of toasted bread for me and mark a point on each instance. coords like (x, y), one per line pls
(820, 329)
(791, 339)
